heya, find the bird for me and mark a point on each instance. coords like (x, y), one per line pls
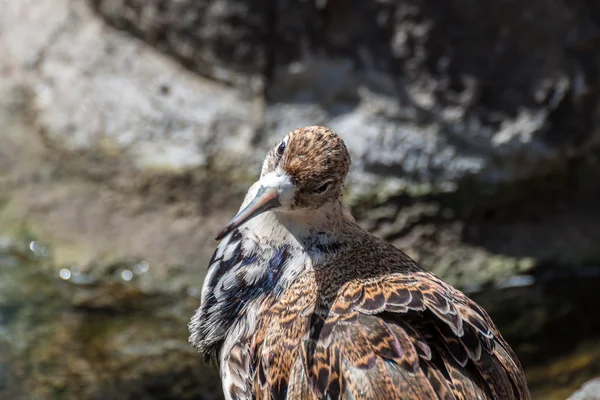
(299, 302)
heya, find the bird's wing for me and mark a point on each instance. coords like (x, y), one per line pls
(394, 337)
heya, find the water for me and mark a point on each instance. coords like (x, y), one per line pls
(66, 335)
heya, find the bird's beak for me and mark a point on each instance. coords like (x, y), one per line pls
(266, 198)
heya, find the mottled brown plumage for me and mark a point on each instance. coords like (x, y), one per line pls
(301, 303)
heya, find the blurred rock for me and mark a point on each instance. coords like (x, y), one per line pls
(589, 391)
(473, 128)
(547, 324)
(223, 39)
(104, 135)
(91, 88)
(425, 94)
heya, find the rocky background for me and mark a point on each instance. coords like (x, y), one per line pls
(130, 129)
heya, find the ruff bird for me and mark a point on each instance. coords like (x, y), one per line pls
(301, 303)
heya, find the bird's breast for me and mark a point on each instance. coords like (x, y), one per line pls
(243, 274)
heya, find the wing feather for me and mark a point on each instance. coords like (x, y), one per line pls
(397, 336)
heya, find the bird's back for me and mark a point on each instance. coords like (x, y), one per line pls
(368, 323)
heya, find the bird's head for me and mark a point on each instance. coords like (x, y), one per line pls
(302, 173)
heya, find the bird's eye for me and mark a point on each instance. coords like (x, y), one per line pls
(280, 149)
(323, 188)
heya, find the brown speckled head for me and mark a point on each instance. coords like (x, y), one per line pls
(305, 171)
(316, 160)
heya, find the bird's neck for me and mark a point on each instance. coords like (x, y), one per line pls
(327, 223)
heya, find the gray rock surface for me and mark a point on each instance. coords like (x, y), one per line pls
(92, 88)
(589, 391)
(99, 127)
(426, 95)
(457, 122)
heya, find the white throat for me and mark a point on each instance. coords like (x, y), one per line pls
(296, 227)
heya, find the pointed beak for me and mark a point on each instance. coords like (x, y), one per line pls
(266, 199)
